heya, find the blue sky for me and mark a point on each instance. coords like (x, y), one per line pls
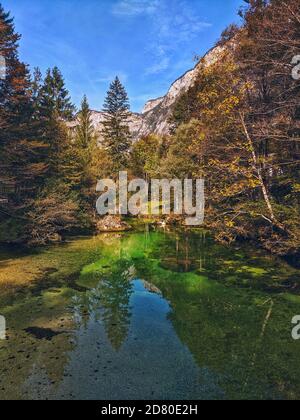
(148, 43)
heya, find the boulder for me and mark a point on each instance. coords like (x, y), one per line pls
(112, 224)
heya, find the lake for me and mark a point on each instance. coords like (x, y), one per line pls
(150, 315)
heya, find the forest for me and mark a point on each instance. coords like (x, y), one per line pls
(238, 127)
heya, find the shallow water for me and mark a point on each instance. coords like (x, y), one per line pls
(148, 315)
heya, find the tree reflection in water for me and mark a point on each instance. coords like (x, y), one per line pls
(109, 302)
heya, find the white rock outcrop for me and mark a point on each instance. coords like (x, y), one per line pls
(156, 113)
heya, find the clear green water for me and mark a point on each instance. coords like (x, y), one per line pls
(149, 315)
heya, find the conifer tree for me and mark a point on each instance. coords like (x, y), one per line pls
(36, 88)
(85, 130)
(22, 153)
(81, 150)
(116, 133)
(53, 107)
(55, 99)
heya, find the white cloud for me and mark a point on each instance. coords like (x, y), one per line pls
(158, 67)
(135, 7)
(174, 24)
(180, 24)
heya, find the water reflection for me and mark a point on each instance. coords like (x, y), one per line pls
(109, 301)
(184, 252)
(151, 315)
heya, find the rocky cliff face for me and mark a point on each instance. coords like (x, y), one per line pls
(156, 112)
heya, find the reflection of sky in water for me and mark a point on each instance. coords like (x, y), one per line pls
(146, 319)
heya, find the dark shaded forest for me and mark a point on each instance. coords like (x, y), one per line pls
(238, 127)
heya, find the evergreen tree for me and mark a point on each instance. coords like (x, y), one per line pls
(40, 198)
(85, 130)
(81, 152)
(117, 138)
(86, 161)
(36, 88)
(55, 99)
(53, 107)
(22, 153)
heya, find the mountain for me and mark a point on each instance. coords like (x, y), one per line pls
(156, 112)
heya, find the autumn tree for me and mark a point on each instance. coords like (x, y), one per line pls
(146, 156)
(265, 51)
(248, 114)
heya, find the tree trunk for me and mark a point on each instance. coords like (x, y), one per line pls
(257, 168)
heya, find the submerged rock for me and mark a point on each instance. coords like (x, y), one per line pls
(43, 333)
(112, 224)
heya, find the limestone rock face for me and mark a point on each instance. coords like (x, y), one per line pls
(98, 117)
(151, 104)
(156, 113)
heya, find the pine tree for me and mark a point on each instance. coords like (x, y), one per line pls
(53, 107)
(36, 87)
(85, 150)
(81, 151)
(22, 153)
(85, 130)
(38, 202)
(55, 99)
(116, 133)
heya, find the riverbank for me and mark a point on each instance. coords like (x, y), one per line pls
(113, 224)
